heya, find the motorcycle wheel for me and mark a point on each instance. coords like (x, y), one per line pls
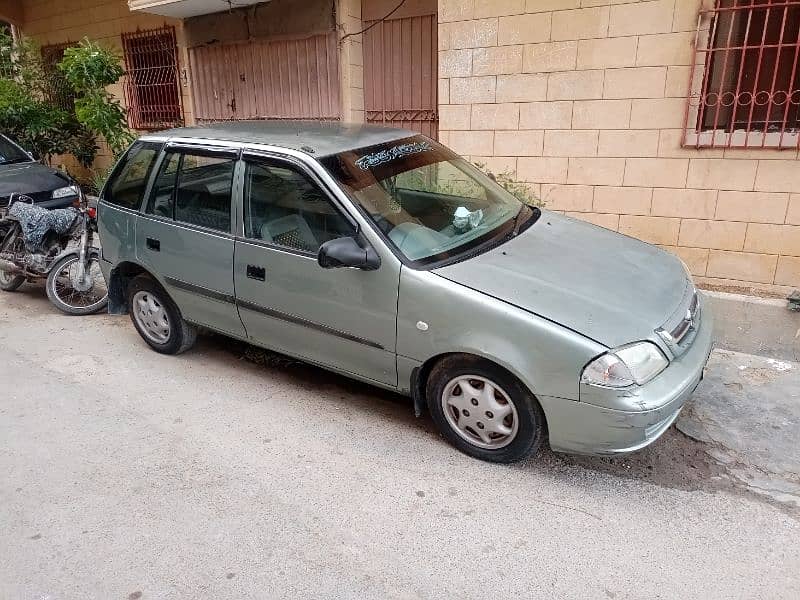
(66, 298)
(8, 281)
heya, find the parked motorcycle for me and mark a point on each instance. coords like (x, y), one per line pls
(56, 246)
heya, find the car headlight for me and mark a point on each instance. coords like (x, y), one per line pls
(634, 363)
(63, 192)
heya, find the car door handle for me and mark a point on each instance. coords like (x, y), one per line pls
(154, 245)
(256, 272)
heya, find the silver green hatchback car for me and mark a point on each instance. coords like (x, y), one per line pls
(380, 254)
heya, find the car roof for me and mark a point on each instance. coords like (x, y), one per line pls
(316, 138)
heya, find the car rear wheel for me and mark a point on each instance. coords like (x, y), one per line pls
(157, 318)
(483, 410)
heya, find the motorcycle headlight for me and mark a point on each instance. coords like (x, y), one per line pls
(63, 192)
(634, 363)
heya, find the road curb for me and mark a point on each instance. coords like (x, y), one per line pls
(752, 325)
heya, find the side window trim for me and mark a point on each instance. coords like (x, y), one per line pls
(204, 150)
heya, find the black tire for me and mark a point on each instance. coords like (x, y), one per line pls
(9, 282)
(55, 297)
(531, 426)
(182, 335)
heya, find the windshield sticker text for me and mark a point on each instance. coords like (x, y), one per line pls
(369, 161)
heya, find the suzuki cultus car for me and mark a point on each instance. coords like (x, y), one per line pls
(382, 255)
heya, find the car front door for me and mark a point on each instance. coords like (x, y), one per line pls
(184, 235)
(341, 318)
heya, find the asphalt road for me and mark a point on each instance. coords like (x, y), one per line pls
(126, 474)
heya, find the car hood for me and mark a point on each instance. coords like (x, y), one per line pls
(29, 178)
(609, 287)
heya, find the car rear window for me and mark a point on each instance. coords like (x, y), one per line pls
(127, 183)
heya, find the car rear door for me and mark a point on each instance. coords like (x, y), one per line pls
(341, 318)
(184, 235)
(121, 200)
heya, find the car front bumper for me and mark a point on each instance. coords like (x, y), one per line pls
(586, 428)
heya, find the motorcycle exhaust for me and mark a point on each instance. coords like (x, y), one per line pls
(9, 267)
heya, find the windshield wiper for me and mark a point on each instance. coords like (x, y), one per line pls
(518, 220)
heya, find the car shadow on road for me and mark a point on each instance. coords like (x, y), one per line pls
(674, 461)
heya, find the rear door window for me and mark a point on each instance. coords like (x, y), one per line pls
(126, 186)
(162, 196)
(194, 189)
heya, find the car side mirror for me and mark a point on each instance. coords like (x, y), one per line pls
(346, 252)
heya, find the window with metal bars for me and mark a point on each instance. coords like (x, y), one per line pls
(746, 76)
(151, 84)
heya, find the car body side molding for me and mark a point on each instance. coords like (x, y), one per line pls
(310, 324)
(196, 289)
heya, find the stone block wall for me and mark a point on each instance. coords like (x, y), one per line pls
(585, 99)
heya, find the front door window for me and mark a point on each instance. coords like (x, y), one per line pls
(285, 208)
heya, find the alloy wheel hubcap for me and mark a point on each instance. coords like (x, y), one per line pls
(480, 411)
(152, 317)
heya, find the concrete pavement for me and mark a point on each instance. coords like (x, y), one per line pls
(126, 474)
(748, 415)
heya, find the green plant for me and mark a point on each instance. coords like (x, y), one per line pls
(98, 179)
(90, 68)
(20, 61)
(520, 190)
(27, 113)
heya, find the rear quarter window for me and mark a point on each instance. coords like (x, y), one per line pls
(128, 181)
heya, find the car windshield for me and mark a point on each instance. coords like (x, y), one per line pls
(11, 153)
(432, 204)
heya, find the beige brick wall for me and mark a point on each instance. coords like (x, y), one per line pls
(60, 21)
(351, 60)
(585, 100)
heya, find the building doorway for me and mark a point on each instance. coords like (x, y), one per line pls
(401, 64)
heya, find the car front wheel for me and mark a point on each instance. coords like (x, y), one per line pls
(483, 410)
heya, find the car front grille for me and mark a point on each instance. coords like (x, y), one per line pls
(36, 196)
(40, 196)
(679, 331)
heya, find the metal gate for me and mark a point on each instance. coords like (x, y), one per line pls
(400, 69)
(267, 79)
(151, 82)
